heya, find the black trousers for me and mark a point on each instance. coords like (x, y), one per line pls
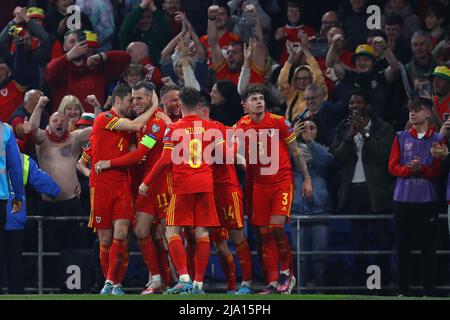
(14, 263)
(359, 203)
(416, 223)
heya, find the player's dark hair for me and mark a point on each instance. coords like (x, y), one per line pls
(146, 84)
(205, 98)
(253, 89)
(418, 103)
(121, 91)
(190, 97)
(168, 87)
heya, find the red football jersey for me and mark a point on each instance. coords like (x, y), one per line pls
(224, 174)
(108, 144)
(268, 143)
(291, 34)
(150, 137)
(191, 172)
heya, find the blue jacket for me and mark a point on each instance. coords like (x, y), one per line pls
(40, 181)
(319, 169)
(10, 164)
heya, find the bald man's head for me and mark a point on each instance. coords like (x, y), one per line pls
(58, 124)
(330, 19)
(138, 51)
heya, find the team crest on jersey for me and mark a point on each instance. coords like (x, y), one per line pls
(4, 92)
(98, 219)
(156, 128)
(108, 115)
(270, 132)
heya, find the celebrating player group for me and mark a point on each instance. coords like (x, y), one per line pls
(172, 178)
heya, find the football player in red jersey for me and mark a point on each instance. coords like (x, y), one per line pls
(111, 201)
(149, 209)
(269, 143)
(192, 202)
(228, 198)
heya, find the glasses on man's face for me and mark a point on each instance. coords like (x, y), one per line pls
(302, 78)
(311, 98)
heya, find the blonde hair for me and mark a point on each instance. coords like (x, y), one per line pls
(68, 101)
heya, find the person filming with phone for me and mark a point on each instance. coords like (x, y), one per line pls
(81, 71)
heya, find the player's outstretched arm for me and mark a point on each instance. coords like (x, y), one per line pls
(163, 163)
(136, 124)
(301, 166)
(128, 159)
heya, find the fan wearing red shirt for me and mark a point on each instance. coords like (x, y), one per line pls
(229, 204)
(270, 142)
(192, 202)
(228, 67)
(291, 31)
(111, 201)
(221, 22)
(81, 73)
(152, 208)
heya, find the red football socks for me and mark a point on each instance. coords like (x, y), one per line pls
(178, 255)
(270, 255)
(228, 267)
(284, 253)
(164, 263)
(104, 259)
(149, 254)
(118, 258)
(245, 260)
(201, 257)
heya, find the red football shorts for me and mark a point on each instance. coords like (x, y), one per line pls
(192, 209)
(158, 199)
(229, 206)
(110, 204)
(271, 200)
(218, 234)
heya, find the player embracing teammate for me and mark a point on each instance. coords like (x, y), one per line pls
(204, 192)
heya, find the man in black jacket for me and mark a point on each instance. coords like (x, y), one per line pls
(361, 150)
